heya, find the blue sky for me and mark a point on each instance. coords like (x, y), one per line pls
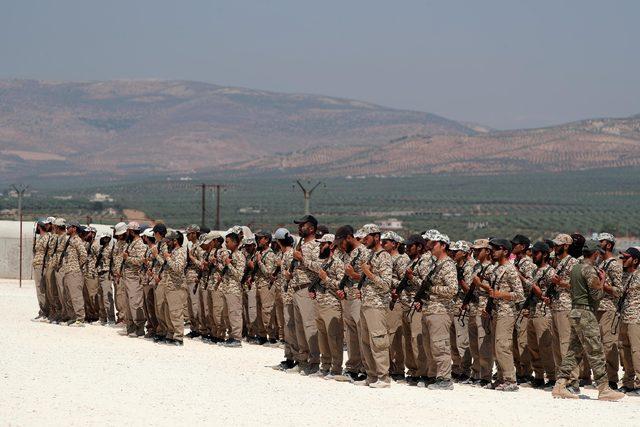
(506, 64)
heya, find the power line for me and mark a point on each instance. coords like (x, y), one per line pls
(306, 194)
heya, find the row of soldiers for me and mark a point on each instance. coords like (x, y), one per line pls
(424, 311)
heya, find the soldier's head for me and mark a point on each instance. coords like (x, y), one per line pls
(500, 249)
(72, 228)
(481, 249)
(326, 245)
(607, 241)
(283, 238)
(414, 245)
(540, 253)
(561, 244)
(104, 239)
(371, 234)
(630, 259)
(159, 231)
(174, 239)
(520, 244)
(575, 250)
(307, 226)
(390, 241)
(263, 239)
(148, 237)
(591, 251)
(460, 251)
(120, 231)
(233, 241)
(192, 233)
(59, 225)
(344, 239)
(440, 246)
(249, 245)
(321, 230)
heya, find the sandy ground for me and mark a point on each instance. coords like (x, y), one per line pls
(93, 376)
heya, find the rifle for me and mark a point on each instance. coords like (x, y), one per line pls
(209, 268)
(224, 271)
(363, 277)
(620, 305)
(471, 296)
(249, 272)
(44, 259)
(293, 266)
(346, 279)
(123, 260)
(317, 284)
(424, 292)
(491, 302)
(532, 299)
(63, 254)
(404, 284)
(164, 265)
(552, 291)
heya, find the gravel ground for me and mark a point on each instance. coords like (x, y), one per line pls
(93, 376)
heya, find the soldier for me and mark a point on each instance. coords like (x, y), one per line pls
(351, 252)
(561, 303)
(399, 263)
(525, 267)
(215, 267)
(104, 258)
(91, 283)
(539, 318)
(480, 334)
(205, 321)
(630, 328)
(279, 302)
(374, 288)
(415, 358)
(132, 260)
(149, 304)
(120, 234)
(60, 230)
(586, 292)
(49, 264)
(264, 265)
(73, 255)
(505, 289)
(174, 260)
(231, 287)
(194, 254)
(156, 269)
(459, 331)
(330, 326)
(251, 327)
(607, 309)
(40, 252)
(434, 299)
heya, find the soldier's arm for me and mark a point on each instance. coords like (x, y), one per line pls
(177, 261)
(311, 258)
(237, 266)
(449, 280)
(267, 264)
(516, 292)
(593, 281)
(613, 286)
(82, 252)
(335, 275)
(136, 257)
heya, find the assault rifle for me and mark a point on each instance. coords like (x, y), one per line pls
(346, 279)
(402, 286)
(471, 296)
(363, 277)
(532, 299)
(620, 305)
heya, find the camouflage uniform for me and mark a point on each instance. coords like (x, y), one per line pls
(436, 318)
(118, 284)
(400, 262)
(376, 297)
(103, 269)
(134, 294)
(55, 309)
(606, 314)
(39, 249)
(630, 331)
(63, 296)
(172, 279)
(480, 334)
(459, 330)
(526, 268)
(539, 328)
(215, 295)
(149, 302)
(72, 278)
(329, 321)
(91, 283)
(232, 293)
(265, 294)
(191, 285)
(291, 348)
(560, 308)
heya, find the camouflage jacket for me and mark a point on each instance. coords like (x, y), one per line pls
(505, 279)
(335, 270)
(118, 248)
(231, 279)
(466, 271)
(74, 257)
(42, 245)
(526, 268)
(266, 267)
(631, 307)
(563, 271)
(485, 270)
(376, 292)
(172, 275)
(353, 258)
(135, 257)
(104, 258)
(542, 278)
(56, 247)
(444, 287)
(89, 270)
(281, 280)
(613, 277)
(425, 264)
(305, 273)
(192, 267)
(400, 263)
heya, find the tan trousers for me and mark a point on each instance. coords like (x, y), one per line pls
(174, 302)
(150, 309)
(503, 347)
(134, 301)
(91, 302)
(630, 351)
(522, 357)
(291, 348)
(204, 311)
(253, 322)
(41, 291)
(609, 343)
(63, 298)
(561, 335)
(279, 314)
(105, 298)
(330, 338)
(55, 309)
(539, 337)
(305, 312)
(164, 328)
(351, 318)
(460, 353)
(396, 341)
(121, 300)
(218, 319)
(436, 332)
(193, 305)
(266, 311)
(375, 342)
(73, 285)
(415, 357)
(233, 315)
(481, 346)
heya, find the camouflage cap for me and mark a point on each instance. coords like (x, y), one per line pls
(148, 232)
(393, 236)
(120, 228)
(172, 235)
(59, 222)
(562, 239)
(91, 229)
(236, 229)
(133, 225)
(193, 228)
(209, 237)
(480, 244)
(359, 234)
(261, 233)
(74, 224)
(248, 241)
(370, 229)
(326, 238)
(440, 237)
(606, 236)
(592, 246)
(49, 220)
(415, 239)
(430, 234)
(460, 245)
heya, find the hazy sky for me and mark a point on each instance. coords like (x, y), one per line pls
(506, 64)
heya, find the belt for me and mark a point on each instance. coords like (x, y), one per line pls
(295, 289)
(583, 307)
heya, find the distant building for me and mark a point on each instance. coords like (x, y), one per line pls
(249, 210)
(99, 197)
(390, 224)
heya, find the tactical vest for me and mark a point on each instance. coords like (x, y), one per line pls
(580, 289)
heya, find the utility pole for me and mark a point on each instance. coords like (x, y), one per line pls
(20, 190)
(218, 189)
(307, 194)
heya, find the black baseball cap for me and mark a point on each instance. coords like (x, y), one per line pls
(307, 218)
(632, 252)
(519, 239)
(541, 247)
(344, 232)
(161, 229)
(415, 239)
(501, 243)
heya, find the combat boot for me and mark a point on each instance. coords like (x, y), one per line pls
(605, 393)
(560, 390)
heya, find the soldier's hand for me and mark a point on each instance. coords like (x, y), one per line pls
(340, 294)
(358, 294)
(349, 269)
(601, 275)
(322, 275)
(154, 251)
(258, 257)
(394, 294)
(166, 255)
(312, 295)
(227, 260)
(546, 300)
(251, 264)
(556, 280)
(125, 255)
(409, 273)
(287, 275)
(279, 262)
(417, 305)
(297, 255)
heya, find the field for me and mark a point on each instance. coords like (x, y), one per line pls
(463, 207)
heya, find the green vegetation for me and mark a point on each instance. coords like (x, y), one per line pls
(464, 207)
